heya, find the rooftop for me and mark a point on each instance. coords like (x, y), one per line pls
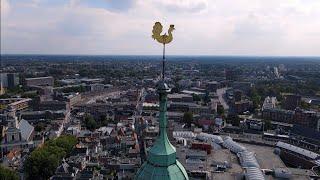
(298, 150)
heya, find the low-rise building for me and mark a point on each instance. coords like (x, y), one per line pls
(242, 106)
(180, 97)
(298, 116)
(297, 156)
(39, 81)
(269, 103)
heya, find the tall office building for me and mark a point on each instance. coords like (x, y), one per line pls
(12, 80)
(276, 72)
(2, 85)
(9, 80)
(4, 80)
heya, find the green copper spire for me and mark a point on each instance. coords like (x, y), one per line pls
(162, 163)
(161, 159)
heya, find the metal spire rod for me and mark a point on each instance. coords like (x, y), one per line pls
(1, 83)
(163, 60)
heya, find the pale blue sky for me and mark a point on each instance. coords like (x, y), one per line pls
(203, 27)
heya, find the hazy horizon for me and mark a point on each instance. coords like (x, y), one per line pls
(167, 55)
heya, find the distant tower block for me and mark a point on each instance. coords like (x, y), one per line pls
(1, 85)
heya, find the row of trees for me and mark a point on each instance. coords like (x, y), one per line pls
(231, 119)
(74, 89)
(92, 124)
(7, 174)
(42, 162)
(262, 90)
(235, 121)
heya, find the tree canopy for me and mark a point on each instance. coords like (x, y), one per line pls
(90, 123)
(233, 119)
(188, 118)
(42, 162)
(8, 174)
(220, 110)
(196, 97)
(267, 124)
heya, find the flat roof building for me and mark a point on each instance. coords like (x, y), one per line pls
(40, 81)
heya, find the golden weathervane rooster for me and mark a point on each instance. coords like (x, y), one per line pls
(163, 39)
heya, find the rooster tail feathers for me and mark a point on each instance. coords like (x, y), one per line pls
(157, 29)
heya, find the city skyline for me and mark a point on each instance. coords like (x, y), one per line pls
(218, 119)
(160, 89)
(259, 28)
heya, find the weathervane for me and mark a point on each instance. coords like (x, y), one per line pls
(163, 39)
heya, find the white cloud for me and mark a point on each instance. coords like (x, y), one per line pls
(183, 5)
(5, 7)
(216, 27)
